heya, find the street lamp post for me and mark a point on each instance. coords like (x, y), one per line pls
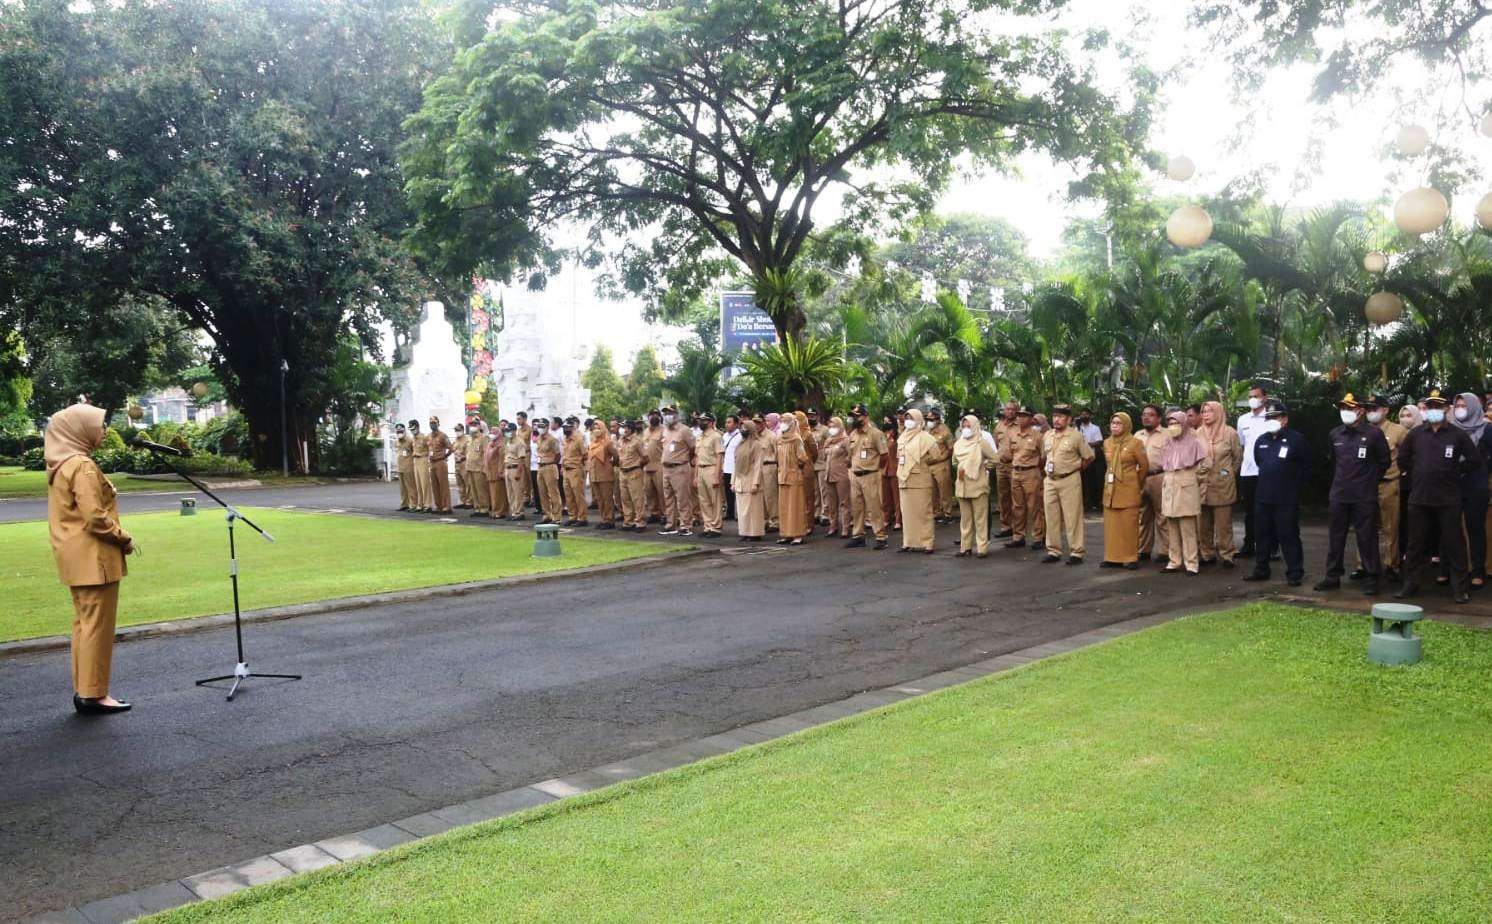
(284, 439)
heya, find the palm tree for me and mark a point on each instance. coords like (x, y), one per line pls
(695, 383)
(795, 373)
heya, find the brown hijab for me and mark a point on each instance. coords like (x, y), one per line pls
(72, 431)
(1210, 433)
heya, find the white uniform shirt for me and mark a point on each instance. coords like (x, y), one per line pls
(1091, 433)
(728, 444)
(1250, 428)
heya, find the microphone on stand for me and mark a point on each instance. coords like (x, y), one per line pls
(143, 443)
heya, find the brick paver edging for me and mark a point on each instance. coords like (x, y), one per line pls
(360, 844)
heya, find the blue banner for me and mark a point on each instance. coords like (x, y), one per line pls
(743, 326)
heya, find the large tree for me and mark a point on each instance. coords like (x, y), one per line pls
(709, 136)
(233, 160)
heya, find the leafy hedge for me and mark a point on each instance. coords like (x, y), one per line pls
(141, 462)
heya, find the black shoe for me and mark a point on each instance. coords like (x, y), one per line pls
(477, 514)
(1005, 534)
(1370, 588)
(1131, 566)
(1207, 561)
(963, 553)
(1461, 597)
(1256, 576)
(1108, 564)
(1227, 564)
(1410, 589)
(1328, 584)
(518, 519)
(403, 508)
(880, 543)
(1016, 544)
(686, 531)
(1392, 574)
(89, 706)
(709, 534)
(1074, 560)
(905, 548)
(856, 543)
(606, 526)
(1357, 574)
(1143, 556)
(655, 519)
(928, 551)
(1247, 551)
(1051, 559)
(1293, 582)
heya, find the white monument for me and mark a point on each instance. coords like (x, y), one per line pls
(433, 382)
(540, 353)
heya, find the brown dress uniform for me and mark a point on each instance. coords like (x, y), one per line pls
(890, 490)
(915, 482)
(88, 543)
(867, 448)
(425, 499)
(794, 466)
(770, 439)
(836, 456)
(548, 454)
(1181, 504)
(707, 480)
(600, 463)
(574, 464)
(973, 458)
(677, 456)
(1219, 483)
(1003, 429)
(751, 510)
(1152, 535)
(634, 481)
(440, 471)
(493, 459)
(515, 470)
(1388, 497)
(465, 494)
(1023, 451)
(652, 451)
(1126, 467)
(821, 473)
(939, 465)
(408, 493)
(479, 496)
(1066, 451)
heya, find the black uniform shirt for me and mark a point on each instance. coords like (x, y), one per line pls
(1434, 461)
(1359, 457)
(1284, 460)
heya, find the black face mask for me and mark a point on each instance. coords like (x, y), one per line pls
(655, 421)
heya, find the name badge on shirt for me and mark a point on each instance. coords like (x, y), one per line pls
(1109, 478)
(672, 446)
(865, 453)
(1284, 451)
(1050, 467)
(1362, 452)
(901, 460)
(1450, 452)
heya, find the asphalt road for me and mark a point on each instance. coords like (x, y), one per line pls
(410, 707)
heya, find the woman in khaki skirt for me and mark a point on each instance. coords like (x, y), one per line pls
(1219, 477)
(914, 480)
(89, 546)
(1124, 483)
(1181, 494)
(792, 504)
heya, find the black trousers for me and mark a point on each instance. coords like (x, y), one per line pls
(1362, 518)
(1092, 483)
(1279, 527)
(730, 497)
(1247, 486)
(1474, 511)
(1436, 531)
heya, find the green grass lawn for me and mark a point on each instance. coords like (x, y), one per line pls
(183, 566)
(1241, 766)
(17, 482)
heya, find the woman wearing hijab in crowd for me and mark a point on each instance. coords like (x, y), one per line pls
(1467, 415)
(600, 462)
(836, 452)
(914, 481)
(810, 477)
(1124, 484)
(1410, 416)
(89, 546)
(1181, 493)
(973, 459)
(890, 493)
(1219, 477)
(771, 434)
(792, 461)
(751, 511)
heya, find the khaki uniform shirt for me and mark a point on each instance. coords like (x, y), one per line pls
(630, 451)
(83, 519)
(944, 438)
(707, 451)
(1024, 449)
(421, 447)
(1219, 476)
(1065, 451)
(476, 452)
(820, 436)
(460, 446)
(548, 449)
(1154, 442)
(574, 453)
(406, 453)
(866, 448)
(836, 458)
(517, 450)
(676, 445)
(1003, 430)
(440, 447)
(652, 448)
(1394, 433)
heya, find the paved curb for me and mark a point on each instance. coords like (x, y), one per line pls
(290, 611)
(236, 877)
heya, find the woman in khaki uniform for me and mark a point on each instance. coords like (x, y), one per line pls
(1219, 486)
(600, 463)
(1123, 487)
(1181, 494)
(770, 434)
(810, 477)
(915, 484)
(89, 546)
(973, 459)
(751, 509)
(792, 461)
(837, 478)
(890, 492)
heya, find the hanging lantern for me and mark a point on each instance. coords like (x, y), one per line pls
(1189, 226)
(1383, 308)
(473, 397)
(200, 389)
(1181, 168)
(1375, 262)
(1484, 212)
(1421, 211)
(136, 412)
(1412, 140)
(1487, 125)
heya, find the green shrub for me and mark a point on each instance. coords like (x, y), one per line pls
(347, 453)
(32, 459)
(112, 439)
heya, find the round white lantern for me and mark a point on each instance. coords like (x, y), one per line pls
(1375, 262)
(1413, 139)
(1181, 168)
(136, 412)
(1383, 308)
(1421, 211)
(200, 389)
(1487, 125)
(1484, 212)
(1189, 226)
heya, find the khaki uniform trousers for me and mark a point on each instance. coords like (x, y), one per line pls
(517, 478)
(1064, 514)
(1152, 527)
(973, 524)
(1025, 500)
(1388, 525)
(423, 499)
(942, 479)
(575, 494)
(549, 491)
(497, 496)
(479, 498)
(865, 504)
(1215, 533)
(634, 498)
(603, 492)
(676, 491)
(711, 513)
(616, 497)
(94, 611)
(1181, 539)
(653, 481)
(917, 518)
(406, 488)
(769, 494)
(440, 486)
(1002, 488)
(825, 508)
(464, 492)
(837, 506)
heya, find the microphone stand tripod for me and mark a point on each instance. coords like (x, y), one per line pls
(241, 670)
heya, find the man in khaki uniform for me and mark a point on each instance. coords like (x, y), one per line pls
(421, 461)
(572, 463)
(1388, 491)
(676, 457)
(867, 447)
(1023, 453)
(404, 449)
(1153, 436)
(460, 446)
(479, 498)
(1003, 429)
(516, 451)
(634, 487)
(709, 476)
(525, 496)
(652, 451)
(820, 469)
(769, 432)
(941, 467)
(547, 453)
(440, 468)
(493, 459)
(1067, 453)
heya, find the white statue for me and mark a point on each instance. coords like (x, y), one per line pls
(433, 384)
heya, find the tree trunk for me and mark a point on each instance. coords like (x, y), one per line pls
(262, 412)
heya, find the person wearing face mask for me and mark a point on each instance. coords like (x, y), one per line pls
(677, 458)
(867, 449)
(940, 466)
(573, 464)
(601, 460)
(709, 478)
(1219, 476)
(525, 495)
(836, 456)
(1388, 491)
(794, 467)
(810, 478)
(1152, 436)
(516, 450)
(421, 456)
(1360, 457)
(1040, 424)
(973, 459)
(1467, 416)
(89, 546)
(770, 431)
(746, 483)
(440, 468)
(915, 482)
(730, 440)
(890, 492)
(1003, 430)
(1250, 426)
(1283, 459)
(652, 448)
(1123, 487)
(1092, 476)
(631, 460)
(404, 444)
(1023, 453)
(1410, 417)
(819, 496)
(460, 441)
(1067, 454)
(547, 455)
(475, 491)
(494, 457)
(1181, 493)
(1433, 458)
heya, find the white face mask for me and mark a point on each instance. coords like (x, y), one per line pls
(1174, 429)
(910, 425)
(1463, 413)
(669, 419)
(966, 433)
(833, 431)
(1435, 415)
(782, 428)
(1271, 426)
(1255, 403)
(1348, 417)
(1375, 417)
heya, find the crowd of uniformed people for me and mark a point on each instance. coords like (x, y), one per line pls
(1412, 487)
